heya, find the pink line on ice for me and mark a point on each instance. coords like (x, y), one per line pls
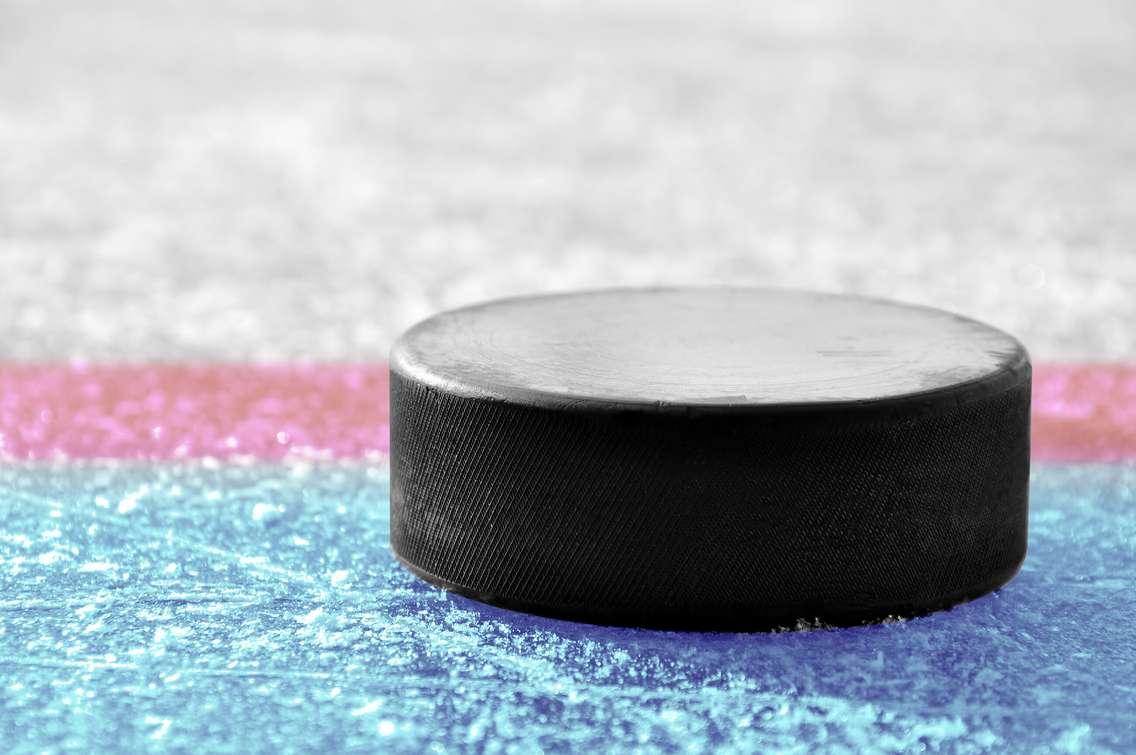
(160, 411)
(1081, 412)
(1084, 412)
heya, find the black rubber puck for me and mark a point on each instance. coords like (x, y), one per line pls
(717, 458)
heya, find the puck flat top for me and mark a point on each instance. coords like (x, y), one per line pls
(706, 347)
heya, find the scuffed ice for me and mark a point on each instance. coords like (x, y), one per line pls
(206, 606)
(293, 181)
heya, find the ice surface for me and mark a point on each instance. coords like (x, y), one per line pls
(282, 181)
(257, 607)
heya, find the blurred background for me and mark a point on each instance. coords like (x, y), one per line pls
(300, 181)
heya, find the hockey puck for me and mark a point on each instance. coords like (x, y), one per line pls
(716, 458)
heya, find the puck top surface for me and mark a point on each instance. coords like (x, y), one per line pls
(730, 347)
